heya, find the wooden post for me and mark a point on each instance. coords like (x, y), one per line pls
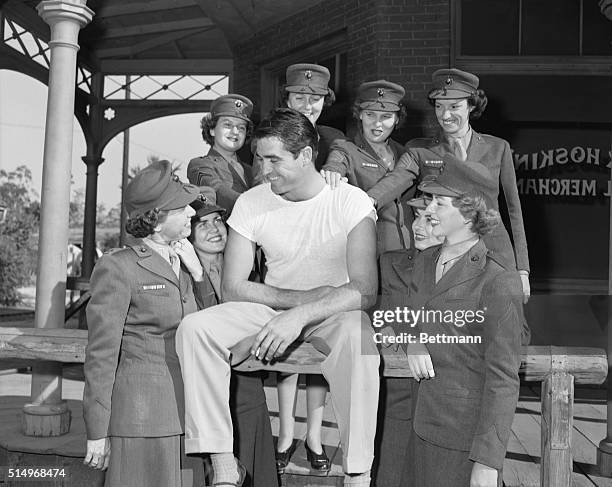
(557, 424)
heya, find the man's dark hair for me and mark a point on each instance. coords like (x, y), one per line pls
(292, 128)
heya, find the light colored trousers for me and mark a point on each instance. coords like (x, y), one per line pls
(203, 341)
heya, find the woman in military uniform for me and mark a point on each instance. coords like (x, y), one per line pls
(306, 90)
(392, 454)
(225, 128)
(457, 99)
(252, 432)
(373, 153)
(133, 402)
(470, 356)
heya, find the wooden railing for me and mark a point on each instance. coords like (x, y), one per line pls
(558, 368)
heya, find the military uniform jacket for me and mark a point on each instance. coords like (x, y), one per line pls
(469, 404)
(361, 165)
(213, 170)
(133, 384)
(395, 278)
(327, 135)
(423, 157)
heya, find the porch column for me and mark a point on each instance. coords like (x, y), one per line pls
(47, 414)
(89, 229)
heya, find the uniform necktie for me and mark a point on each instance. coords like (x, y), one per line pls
(440, 269)
(214, 274)
(175, 262)
(459, 149)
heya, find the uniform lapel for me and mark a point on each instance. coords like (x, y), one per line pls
(367, 148)
(468, 267)
(239, 183)
(478, 147)
(423, 281)
(153, 262)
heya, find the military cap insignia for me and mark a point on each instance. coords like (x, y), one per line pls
(308, 74)
(449, 81)
(238, 103)
(381, 92)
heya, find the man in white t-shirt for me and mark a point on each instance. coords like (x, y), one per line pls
(320, 247)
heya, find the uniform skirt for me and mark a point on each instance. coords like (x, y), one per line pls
(153, 462)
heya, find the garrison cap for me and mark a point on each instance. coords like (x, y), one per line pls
(460, 177)
(156, 187)
(203, 208)
(232, 106)
(310, 79)
(453, 83)
(380, 95)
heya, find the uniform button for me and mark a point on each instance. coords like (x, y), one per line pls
(475, 258)
(184, 299)
(143, 249)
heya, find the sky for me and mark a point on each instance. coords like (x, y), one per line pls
(23, 102)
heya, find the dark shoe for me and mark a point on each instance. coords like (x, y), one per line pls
(283, 457)
(319, 462)
(241, 476)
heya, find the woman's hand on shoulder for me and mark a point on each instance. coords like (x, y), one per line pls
(483, 476)
(98, 453)
(420, 362)
(332, 178)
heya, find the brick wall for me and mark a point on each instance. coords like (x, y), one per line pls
(402, 41)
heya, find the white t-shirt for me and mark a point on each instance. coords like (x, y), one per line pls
(304, 241)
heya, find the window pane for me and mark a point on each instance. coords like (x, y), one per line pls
(489, 27)
(597, 33)
(551, 27)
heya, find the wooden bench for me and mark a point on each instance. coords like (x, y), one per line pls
(558, 368)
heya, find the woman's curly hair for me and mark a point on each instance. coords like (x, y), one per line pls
(478, 100)
(143, 225)
(474, 208)
(209, 122)
(329, 100)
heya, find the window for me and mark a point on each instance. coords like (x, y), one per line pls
(546, 34)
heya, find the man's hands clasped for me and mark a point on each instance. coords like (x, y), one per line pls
(280, 332)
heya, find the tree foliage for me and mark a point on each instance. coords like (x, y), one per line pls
(18, 248)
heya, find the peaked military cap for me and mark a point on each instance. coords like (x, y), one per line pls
(203, 208)
(232, 106)
(458, 178)
(157, 187)
(310, 79)
(380, 95)
(453, 83)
